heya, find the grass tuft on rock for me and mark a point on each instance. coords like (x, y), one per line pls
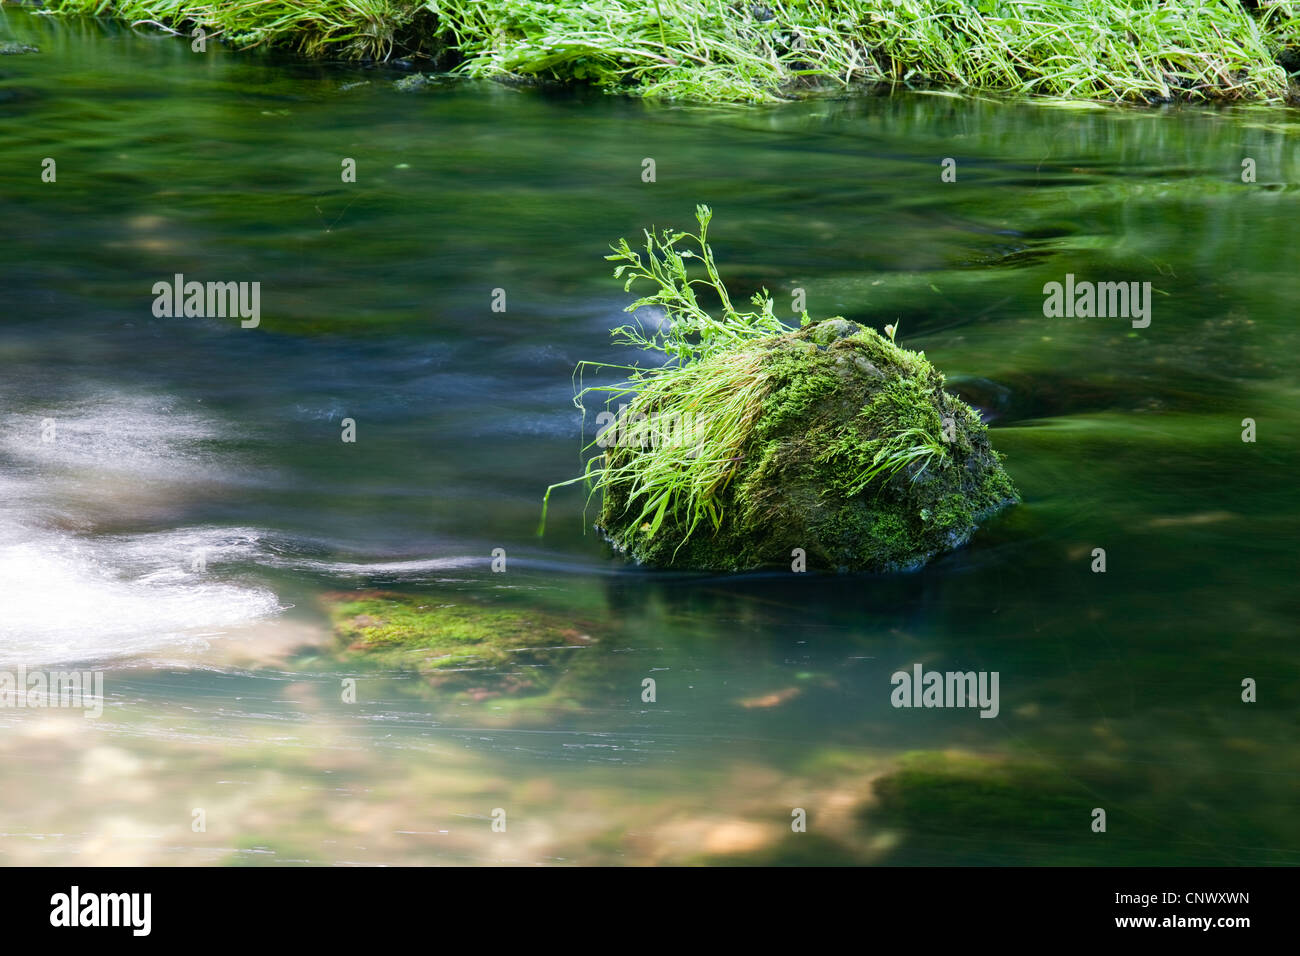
(755, 442)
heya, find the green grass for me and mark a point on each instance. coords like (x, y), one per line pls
(344, 29)
(710, 378)
(751, 52)
(685, 480)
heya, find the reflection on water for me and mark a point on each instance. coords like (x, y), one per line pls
(196, 513)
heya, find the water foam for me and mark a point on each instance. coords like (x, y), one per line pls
(68, 593)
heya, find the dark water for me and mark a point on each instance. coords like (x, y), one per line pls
(187, 436)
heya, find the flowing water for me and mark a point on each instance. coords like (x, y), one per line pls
(182, 530)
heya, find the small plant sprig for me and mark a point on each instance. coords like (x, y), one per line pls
(688, 332)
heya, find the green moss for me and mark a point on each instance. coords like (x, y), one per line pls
(971, 793)
(955, 805)
(858, 456)
(458, 648)
(798, 389)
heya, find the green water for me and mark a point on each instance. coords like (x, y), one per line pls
(1118, 690)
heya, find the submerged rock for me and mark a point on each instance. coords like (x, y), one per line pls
(462, 649)
(853, 452)
(14, 48)
(970, 808)
(416, 81)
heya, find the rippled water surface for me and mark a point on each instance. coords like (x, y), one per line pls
(179, 438)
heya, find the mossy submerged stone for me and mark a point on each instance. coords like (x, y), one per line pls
(464, 647)
(840, 402)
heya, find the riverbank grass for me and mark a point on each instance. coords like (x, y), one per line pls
(752, 52)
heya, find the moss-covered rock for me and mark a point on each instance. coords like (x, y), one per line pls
(462, 649)
(971, 792)
(966, 808)
(855, 454)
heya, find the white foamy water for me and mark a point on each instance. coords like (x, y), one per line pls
(396, 568)
(72, 591)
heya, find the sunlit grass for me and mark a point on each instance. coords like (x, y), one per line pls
(710, 380)
(347, 29)
(716, 51)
